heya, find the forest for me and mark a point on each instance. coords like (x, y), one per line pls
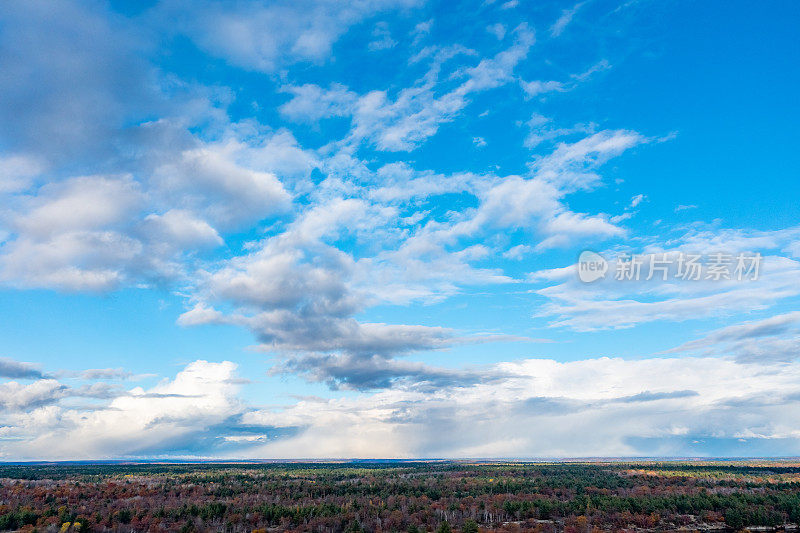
(412, 497)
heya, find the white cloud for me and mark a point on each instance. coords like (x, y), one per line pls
(600, 66)
(611, 303)
(636, 200)
(70, 234)
(298, 294)
(541, 130)
(772, 339)
(172, 417)
(182, 229)
(382, 38)
(210, 180)
(201, 314)
(497, 29)
(99, 232)
(566, 167)
(517, 252)
(536, 204)
(423, 27)
(661, 406)
(563, 21)
(631, 408)
(266, 36)
(17, 172)
(10, 368)
(400, 183)
(17, 397)
(402, 123)
(310, 102)
(84, 203)
(536, 87)
(104, 373)
(116, 174)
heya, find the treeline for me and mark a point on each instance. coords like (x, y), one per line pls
(456, 497)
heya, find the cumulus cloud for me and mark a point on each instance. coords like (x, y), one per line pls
(297, 294)
(80, 204)
(536, 202)
(172, 417)
(182, 229)
(629, 408)
(74, 106)
(210, 180)
(101, 232)
(71, 234)
(297, 290)
(661, 406)
(93, 233)
(15, 396)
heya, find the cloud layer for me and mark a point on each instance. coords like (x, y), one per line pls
(529, 408)
(359, 187)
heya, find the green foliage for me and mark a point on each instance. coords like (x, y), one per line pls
(125, 516)
(354, 527)
(470, 526)
(212, 511)
(17, 519)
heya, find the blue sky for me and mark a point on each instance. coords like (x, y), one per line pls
(308, 229)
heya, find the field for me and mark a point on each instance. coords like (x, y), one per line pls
(408, 497)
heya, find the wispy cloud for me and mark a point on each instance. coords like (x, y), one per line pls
(266, 37)
(772, 339)
(563, 21)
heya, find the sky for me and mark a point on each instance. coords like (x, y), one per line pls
(399, 229)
